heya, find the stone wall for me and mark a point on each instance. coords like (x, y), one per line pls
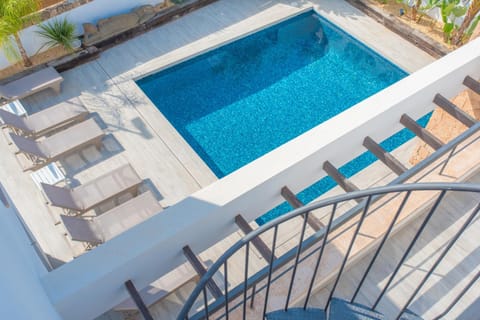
(60, 8)
(77, 12)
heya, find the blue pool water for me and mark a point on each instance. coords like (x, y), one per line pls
(240, 101)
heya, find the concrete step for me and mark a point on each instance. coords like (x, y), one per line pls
(297, 314)
(344, 310)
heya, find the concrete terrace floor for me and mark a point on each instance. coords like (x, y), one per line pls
(137, 132)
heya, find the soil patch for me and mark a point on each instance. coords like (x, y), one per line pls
(444, 126)
(38, 59)
(48, 3)
(425, 24)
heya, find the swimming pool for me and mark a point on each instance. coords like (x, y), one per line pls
(240, 101)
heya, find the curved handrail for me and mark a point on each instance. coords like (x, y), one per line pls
(462, 187)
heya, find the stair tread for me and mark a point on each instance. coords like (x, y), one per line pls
(344, 310)
(297, 314)
(410, 315)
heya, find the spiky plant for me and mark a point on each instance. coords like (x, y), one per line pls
(58, 33)
(14, 16)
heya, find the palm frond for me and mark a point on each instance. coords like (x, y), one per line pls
(20, 8)
(7, 43)
(14, 15)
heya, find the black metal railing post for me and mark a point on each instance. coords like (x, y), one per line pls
(299, 251)
(347, 254)
(138, 300)
(225, 283)
(458, 297)
(270, 269)
(380, 246)
(439, 259)
(410, 247)
(320, 254)
(245, 280)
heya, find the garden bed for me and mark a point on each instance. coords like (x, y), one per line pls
(38, 59)
(427, 34)
(62, 61)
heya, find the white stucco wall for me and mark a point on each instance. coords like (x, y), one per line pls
(90, 12)
(22, 296)
(93, 283)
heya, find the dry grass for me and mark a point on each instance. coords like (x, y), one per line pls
(43, 57)
(444, 126)
(48, 3)
(425, 24)
(441, 124)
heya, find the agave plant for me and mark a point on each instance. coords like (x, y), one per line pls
(14, 16)
(58, 33)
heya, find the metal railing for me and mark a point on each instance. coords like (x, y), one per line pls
(262, 280)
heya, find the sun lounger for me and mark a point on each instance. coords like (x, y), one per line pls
(33, 83)
(89, 195)
(45, 121)
(15, 107)
(68, 141)
(113, 222)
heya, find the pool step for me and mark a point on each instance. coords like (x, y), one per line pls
(257, 242)
(453, 110)
(293, 200)
(420, 132)
(472, 84)
(200, 269)
(383, 155)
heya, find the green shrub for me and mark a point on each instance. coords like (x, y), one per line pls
(58, 33)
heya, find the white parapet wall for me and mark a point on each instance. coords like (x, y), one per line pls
(93, 283)
(22, 295)
(90, 12)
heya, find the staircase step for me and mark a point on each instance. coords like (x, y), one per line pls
(410, 315)
(344, 310)
(297, 314)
